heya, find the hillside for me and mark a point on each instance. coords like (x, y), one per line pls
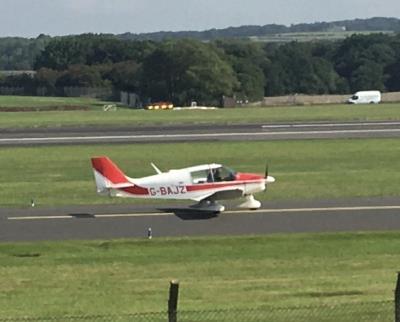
(371, 24)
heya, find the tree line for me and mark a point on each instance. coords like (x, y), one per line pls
(370, 24)
(18, 53)
(183, 70)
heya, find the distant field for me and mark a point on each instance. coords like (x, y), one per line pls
(15, 102)
(123, 116)
(311, 169)
(121, 276)
(314, 36)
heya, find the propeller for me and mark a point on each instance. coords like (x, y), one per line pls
(268, 178)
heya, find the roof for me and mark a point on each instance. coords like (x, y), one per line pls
(200, 167)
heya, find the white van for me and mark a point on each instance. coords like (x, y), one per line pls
(365, 97)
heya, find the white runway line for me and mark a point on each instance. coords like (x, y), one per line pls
(277, 126)
(188, 136)
(231, 212)
(282, 210)
(144, 214)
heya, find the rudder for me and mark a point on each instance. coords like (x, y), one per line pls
(107, 175)
(108, 169)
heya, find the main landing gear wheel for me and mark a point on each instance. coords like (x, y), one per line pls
(250, 203)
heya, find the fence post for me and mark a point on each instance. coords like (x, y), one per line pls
(397, 300)
(173, 301)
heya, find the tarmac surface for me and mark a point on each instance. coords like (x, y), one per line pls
(198, 132)
(130, 221)
(126, 221)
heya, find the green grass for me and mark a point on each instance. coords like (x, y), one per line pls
(314, 36)
(123, 116)
(38, 101)
(122, 276)
(311, 169)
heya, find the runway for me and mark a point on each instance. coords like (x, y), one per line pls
(105, 222)
(198, 132)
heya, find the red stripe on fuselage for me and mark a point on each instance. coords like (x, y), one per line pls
(243, 176)
(136, 190)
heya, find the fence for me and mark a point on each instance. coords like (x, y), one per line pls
(301, 99)
(349, 312)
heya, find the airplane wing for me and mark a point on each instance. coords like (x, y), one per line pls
(225, 194)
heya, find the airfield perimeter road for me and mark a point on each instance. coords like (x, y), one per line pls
(198, 132)
(104, 222)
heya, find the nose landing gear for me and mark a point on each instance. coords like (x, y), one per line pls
(250, 203)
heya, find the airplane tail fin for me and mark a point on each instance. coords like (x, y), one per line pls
(108, 175)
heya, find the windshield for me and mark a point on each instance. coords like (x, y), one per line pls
(223, 174)
(354, 97)
(213, 175)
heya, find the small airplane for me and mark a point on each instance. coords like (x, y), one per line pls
(205, 184)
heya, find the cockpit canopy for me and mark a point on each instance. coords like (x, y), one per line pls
(213, 174)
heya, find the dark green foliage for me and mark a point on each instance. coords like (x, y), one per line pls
(248, 61)
(90, 49)
(20, 53)
(185, 70)
(81, 76)
(393, 82)
(362, 61)
(371, 24)
(123, 75)
(295, 69)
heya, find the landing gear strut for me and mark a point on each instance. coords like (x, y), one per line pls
(250, 203)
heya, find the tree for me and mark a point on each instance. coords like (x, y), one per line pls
(90, 49)
(124, 75)
(47, 78)
(361, 57)
(248, 61)
(295, 69)
(81, 76)
(186, 70)
(368, 76)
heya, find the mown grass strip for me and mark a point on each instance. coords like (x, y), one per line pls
(127, 117)
(310, 169)
(125, 276)
(41, 101)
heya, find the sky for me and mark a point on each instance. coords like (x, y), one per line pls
(29, 18)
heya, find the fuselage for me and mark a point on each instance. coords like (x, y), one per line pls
(205, 184)
(194, 183)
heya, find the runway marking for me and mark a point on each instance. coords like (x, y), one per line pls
(144, 214)
(230, 212)
(280, 210)
(188, 135)
(273, 126)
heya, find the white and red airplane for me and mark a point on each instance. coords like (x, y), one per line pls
(205, 184)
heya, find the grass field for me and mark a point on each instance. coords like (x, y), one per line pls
(108, 277)
(40, 101)
(128, 276)
(314, 36)
(123, 116)
(312, 169)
